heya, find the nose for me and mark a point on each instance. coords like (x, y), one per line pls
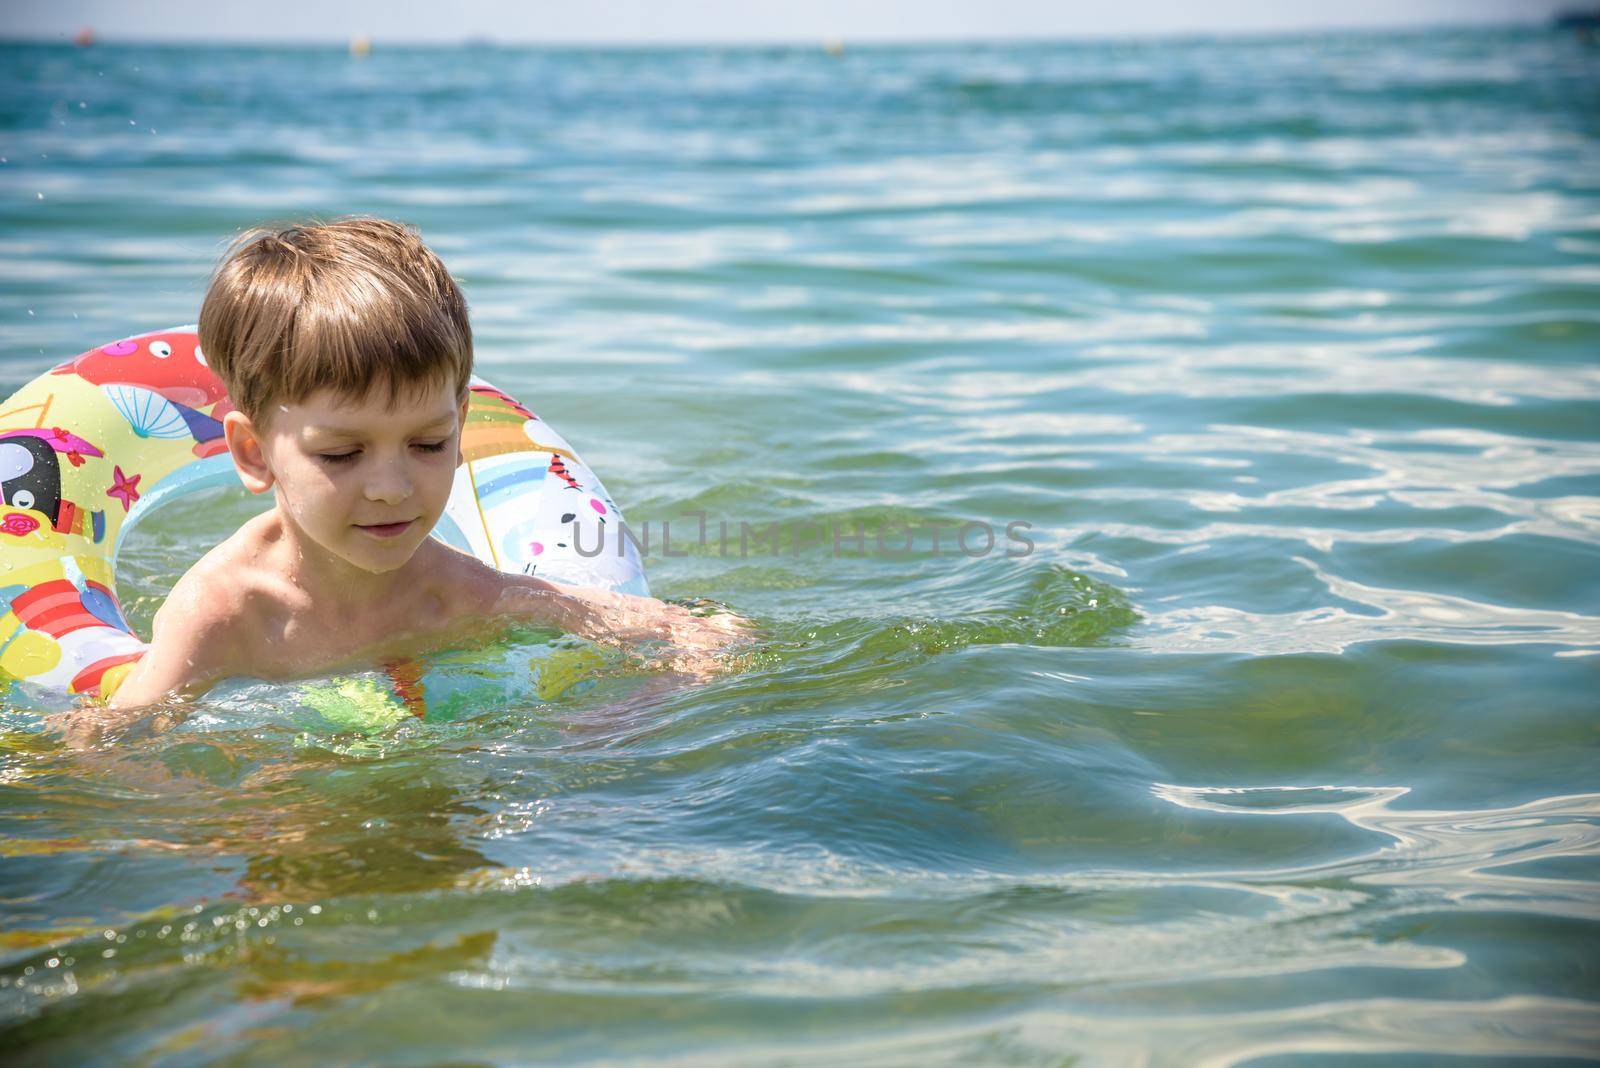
(389, 483)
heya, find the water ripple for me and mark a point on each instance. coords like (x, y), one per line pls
(1272, 746)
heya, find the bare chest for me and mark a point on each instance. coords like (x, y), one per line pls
(309, 640)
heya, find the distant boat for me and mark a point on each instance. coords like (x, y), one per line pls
(84, 37)
(360, 45)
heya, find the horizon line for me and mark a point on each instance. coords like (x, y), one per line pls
(65, 37)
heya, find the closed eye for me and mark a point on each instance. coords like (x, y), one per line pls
(346, 457)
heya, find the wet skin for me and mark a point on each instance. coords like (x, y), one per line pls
(342, 571)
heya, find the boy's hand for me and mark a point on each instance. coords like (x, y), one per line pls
(686, 638)
(91, 724)
(694, 634)
(690, 636)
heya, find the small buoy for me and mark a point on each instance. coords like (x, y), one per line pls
(360, 45)
(833, 46)
(84, 37)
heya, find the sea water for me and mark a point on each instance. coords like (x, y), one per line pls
(1261, 727)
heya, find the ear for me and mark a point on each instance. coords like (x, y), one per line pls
(245, 444)
(461, 426)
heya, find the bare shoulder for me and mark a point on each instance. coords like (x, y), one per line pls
(204, 629)
(467, 586)
(227, 589)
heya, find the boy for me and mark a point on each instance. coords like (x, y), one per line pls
(347, 351)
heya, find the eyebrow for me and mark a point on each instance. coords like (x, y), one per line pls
(355, 432)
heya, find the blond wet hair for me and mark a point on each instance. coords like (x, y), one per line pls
(356, 307)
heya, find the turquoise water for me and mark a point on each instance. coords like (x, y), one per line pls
(1278, 747)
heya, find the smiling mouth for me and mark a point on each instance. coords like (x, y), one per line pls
(385, 530)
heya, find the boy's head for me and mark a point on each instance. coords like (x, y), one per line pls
(356, 308)
(346, 349)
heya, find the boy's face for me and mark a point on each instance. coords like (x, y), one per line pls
(365, 481)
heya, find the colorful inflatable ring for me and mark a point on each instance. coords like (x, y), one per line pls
(94, 446)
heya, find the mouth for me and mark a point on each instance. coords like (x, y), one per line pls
(385, 530)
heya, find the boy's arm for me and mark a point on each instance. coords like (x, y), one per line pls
(190, 650)
(619, 618)
(186, 656)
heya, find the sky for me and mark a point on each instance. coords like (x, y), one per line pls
(683, 21)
